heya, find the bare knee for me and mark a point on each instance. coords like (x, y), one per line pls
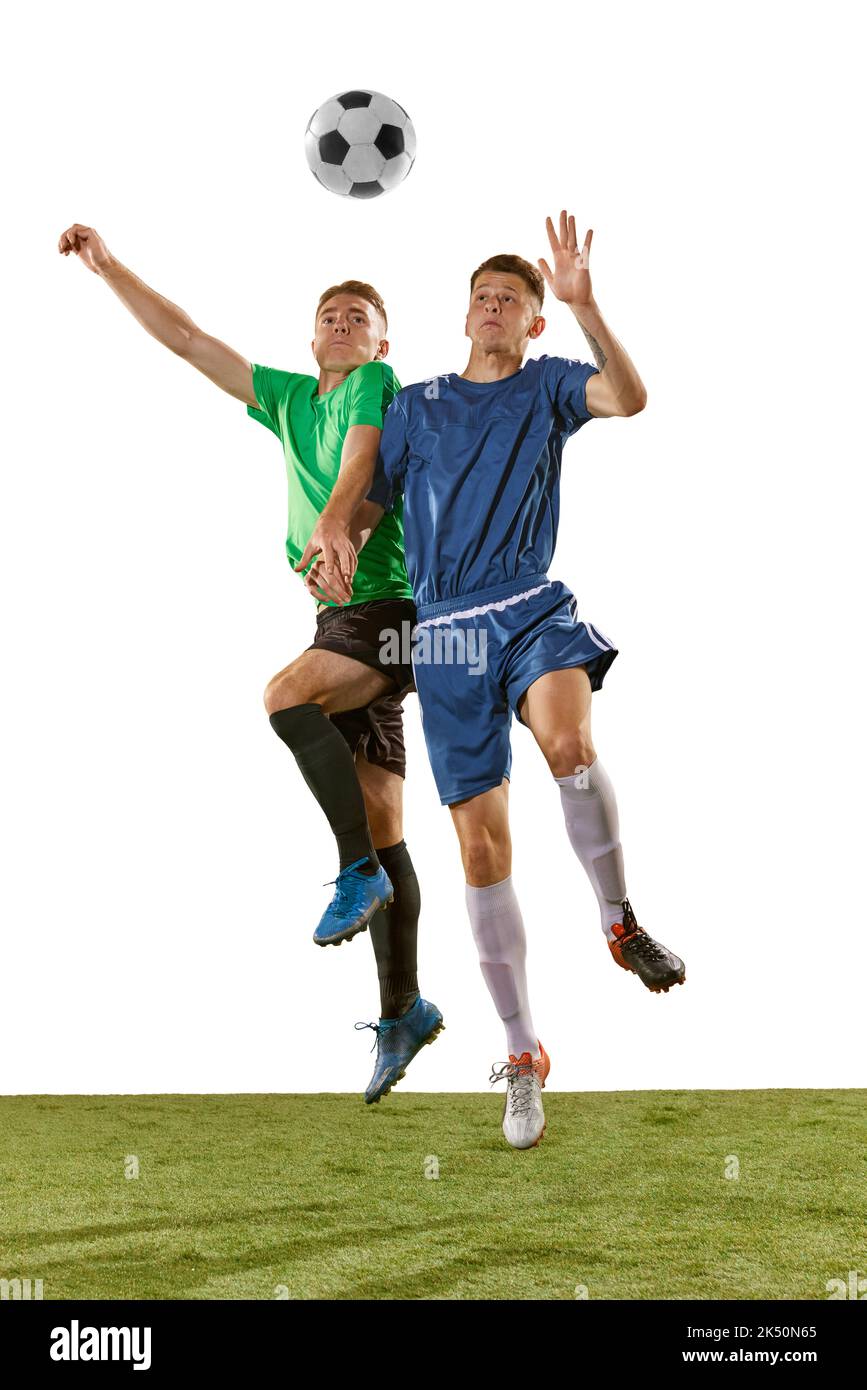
(281, 692)
(566, 752)
(487, 859)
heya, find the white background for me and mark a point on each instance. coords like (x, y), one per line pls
(164, 861)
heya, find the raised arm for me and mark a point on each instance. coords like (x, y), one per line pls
(617, 389)
(162, 319)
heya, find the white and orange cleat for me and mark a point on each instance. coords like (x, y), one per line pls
(523, 1116)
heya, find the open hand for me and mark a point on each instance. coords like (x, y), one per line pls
(570, 278)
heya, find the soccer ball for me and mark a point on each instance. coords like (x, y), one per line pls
(360, 143)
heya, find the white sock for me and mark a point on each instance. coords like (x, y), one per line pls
(590, 809)
(498, 929)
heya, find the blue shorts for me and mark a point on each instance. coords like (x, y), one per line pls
(474, 657)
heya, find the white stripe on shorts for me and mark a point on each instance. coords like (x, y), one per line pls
(499, 605)
(604, 643)
(595, 635)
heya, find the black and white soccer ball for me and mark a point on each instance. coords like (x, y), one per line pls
(360, 143)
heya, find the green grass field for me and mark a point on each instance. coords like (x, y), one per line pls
(242, 1196)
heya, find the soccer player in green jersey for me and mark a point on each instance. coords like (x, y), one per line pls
(337, 706)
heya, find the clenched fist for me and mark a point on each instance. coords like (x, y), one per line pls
(88, 246)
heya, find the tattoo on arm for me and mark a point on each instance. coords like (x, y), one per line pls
(598, 354)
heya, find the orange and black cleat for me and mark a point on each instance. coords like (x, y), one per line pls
(655, 965)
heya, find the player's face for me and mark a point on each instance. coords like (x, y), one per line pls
(349, 332)
(503, 314)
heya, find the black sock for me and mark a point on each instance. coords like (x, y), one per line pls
(394, 933)
(328, 768)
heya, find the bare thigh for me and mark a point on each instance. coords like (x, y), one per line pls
(557, 710)
(329, 679)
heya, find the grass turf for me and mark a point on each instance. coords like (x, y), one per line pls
(319, 1196)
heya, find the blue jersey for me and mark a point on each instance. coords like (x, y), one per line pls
(478, 464)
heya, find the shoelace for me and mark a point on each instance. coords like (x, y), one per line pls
(643, 945)
(387, 1025)
(519, 1081)
(349, 890)
(637, 938)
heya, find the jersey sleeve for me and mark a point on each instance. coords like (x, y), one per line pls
(566, 382)
(269, 385)
(391, 461)
(373, 387)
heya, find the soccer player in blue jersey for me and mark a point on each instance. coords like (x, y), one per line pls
(477, 458)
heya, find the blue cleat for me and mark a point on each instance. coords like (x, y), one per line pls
(397, 1042)
(356, 898)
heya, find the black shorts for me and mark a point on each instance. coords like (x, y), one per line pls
(378, 634)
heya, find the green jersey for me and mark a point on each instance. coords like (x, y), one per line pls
(312, 429)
